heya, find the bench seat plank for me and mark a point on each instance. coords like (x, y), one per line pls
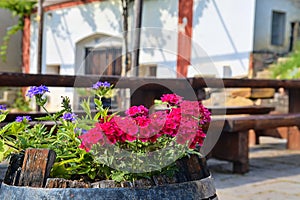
(236, 110)
(261, 122)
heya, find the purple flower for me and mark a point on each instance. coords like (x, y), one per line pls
(21, 118)
(100, 84)
(34, 90)
(69, 116)
(3, 107)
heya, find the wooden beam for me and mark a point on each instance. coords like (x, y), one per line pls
(20, 79)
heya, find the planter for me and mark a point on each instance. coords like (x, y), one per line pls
(193, 181)
(200, 189)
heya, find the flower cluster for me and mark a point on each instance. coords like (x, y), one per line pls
(183, 121)
(100, 84)
(172, 99)
(2, 108)
(23, 118)
(68, 116)
(55, 131)
(37, 91)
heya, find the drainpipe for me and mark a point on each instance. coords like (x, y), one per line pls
(40, 18)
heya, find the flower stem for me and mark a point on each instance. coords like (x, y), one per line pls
(44, 108)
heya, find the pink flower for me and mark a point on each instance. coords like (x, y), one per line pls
(172, 99)
(85, 147)
(135, 111)
(205, 114)
(128, 137)
(126, 124)
(183, 120)
(90, 138)
(198, 139)
(190, 108)
(142, 121)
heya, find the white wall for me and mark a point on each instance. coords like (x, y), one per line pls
(67, 26)
(159, 36)
(64, 30)
(13, 58)
(263, 22)
(223, 33)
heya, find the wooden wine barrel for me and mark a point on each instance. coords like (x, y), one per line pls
(200, 189)
(193, 181)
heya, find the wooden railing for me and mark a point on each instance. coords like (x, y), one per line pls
(147, 89)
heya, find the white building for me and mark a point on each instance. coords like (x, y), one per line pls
(276, 30)
(220, 32)
(178, 37)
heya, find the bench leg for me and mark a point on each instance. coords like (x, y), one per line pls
(253, 137)
(241, 164)
(240, 167)
(293, 138)
(234, 147)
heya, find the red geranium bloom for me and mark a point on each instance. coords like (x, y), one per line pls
(172, 99)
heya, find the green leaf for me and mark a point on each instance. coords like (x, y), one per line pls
(118, 176)
(2, 117)
(98, 102)
(45, 118)
(86, 107)
(1, 146)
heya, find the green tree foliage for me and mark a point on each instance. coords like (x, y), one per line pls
(289, 68)
(20, 9)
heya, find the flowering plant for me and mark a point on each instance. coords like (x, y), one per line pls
(106, 145)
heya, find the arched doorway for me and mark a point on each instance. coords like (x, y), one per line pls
(99, 54)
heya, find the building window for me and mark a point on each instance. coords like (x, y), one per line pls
(278, 28)
(53, 69)
(103, 61)
(152, 71)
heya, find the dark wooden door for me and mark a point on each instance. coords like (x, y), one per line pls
(104, 61)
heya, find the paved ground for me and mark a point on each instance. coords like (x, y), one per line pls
(274, 174)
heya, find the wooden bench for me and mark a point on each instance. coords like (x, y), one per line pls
(233, 144)
(238, 110)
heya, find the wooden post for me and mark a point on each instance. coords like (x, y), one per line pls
(14, 168)
(126, 63)
(36, 167)
(40, 36)
(185, 29)
(137, 36)
(294, 96)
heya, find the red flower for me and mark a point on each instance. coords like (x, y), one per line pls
(126, 124)
(142, 121)
(135, 111)
(183, 120)
(172, 99)
(90, 138)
